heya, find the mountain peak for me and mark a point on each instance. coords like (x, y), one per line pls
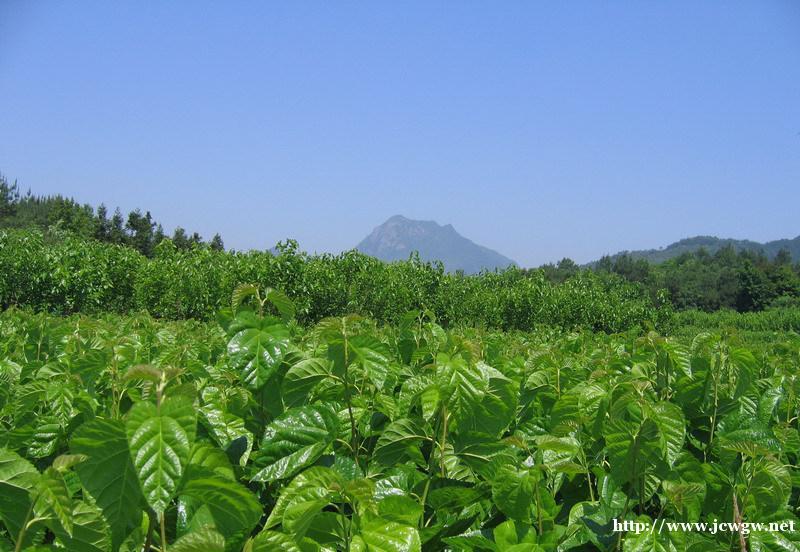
(399, 236)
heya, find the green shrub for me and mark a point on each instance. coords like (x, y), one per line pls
(65, 274)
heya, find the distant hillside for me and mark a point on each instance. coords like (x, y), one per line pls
(713, 244)
(396, 238)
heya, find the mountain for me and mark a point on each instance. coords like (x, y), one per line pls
(713, 244)
(398, 237)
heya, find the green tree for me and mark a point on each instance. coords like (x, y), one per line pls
(71, 216)
(783, 258)
(9, 197)
(216, 243)
(116, 233)
(180, 239)
(159, 235)
(141, 229)
(634, 270)
(102, 230)
(784, 281)
(755, 292)
(605, 264)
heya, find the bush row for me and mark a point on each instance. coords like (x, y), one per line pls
(782, 319)
(66, 274)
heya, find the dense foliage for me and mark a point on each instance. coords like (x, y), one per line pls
(772, 320)
(732, 274)
(126, 433)
(745, 281)
(708, 274)
(138, 230)
(62, 273)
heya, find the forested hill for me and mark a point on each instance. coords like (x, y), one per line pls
(713, 244)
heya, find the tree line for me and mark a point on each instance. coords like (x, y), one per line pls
(137, 230)
(744, 280)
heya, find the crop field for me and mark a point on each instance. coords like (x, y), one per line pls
(399, 277)
(256, 433)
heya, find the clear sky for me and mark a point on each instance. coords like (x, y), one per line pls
(539, 129)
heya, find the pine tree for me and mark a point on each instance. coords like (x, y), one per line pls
(102, 226)
(9, 198)
(116, 233)
(216, 243)
(141, 231)
(180, 239)
(159, 235)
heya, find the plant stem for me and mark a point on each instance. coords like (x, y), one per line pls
(714, 415)
(442, 443)
(353, 434)
(737, 518)
(424, 498)
(163, 534)
(149, 540)
(24, 529)
(538, 509)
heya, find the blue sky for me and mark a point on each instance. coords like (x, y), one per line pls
(539, 129)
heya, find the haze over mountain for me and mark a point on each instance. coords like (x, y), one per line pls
(399, 236)
(712, 244)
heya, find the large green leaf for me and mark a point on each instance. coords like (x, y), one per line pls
(685, 487)
(45, 438)
(206, 539)
(317, 485)
(109, 475)
(226, 428)
(373, 356)
(631, 448)
(282, 303)
(671, 429)
(299, 515)
(269, 541)
(751, 441)
(54, 500)
(496, 409)
(769, 490)
(159, 447)
(399, 442)
(510, 534)
(400, 508)
(207, 456)
(301, 378)
(774, 541)
(258, 346)
(233, 507)
(18, 480)
(295, 440)
(382, 536)
(179, 405)
(461, 384)
(90, 532)
(513, 492)
(472, 541)
(454, 497)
